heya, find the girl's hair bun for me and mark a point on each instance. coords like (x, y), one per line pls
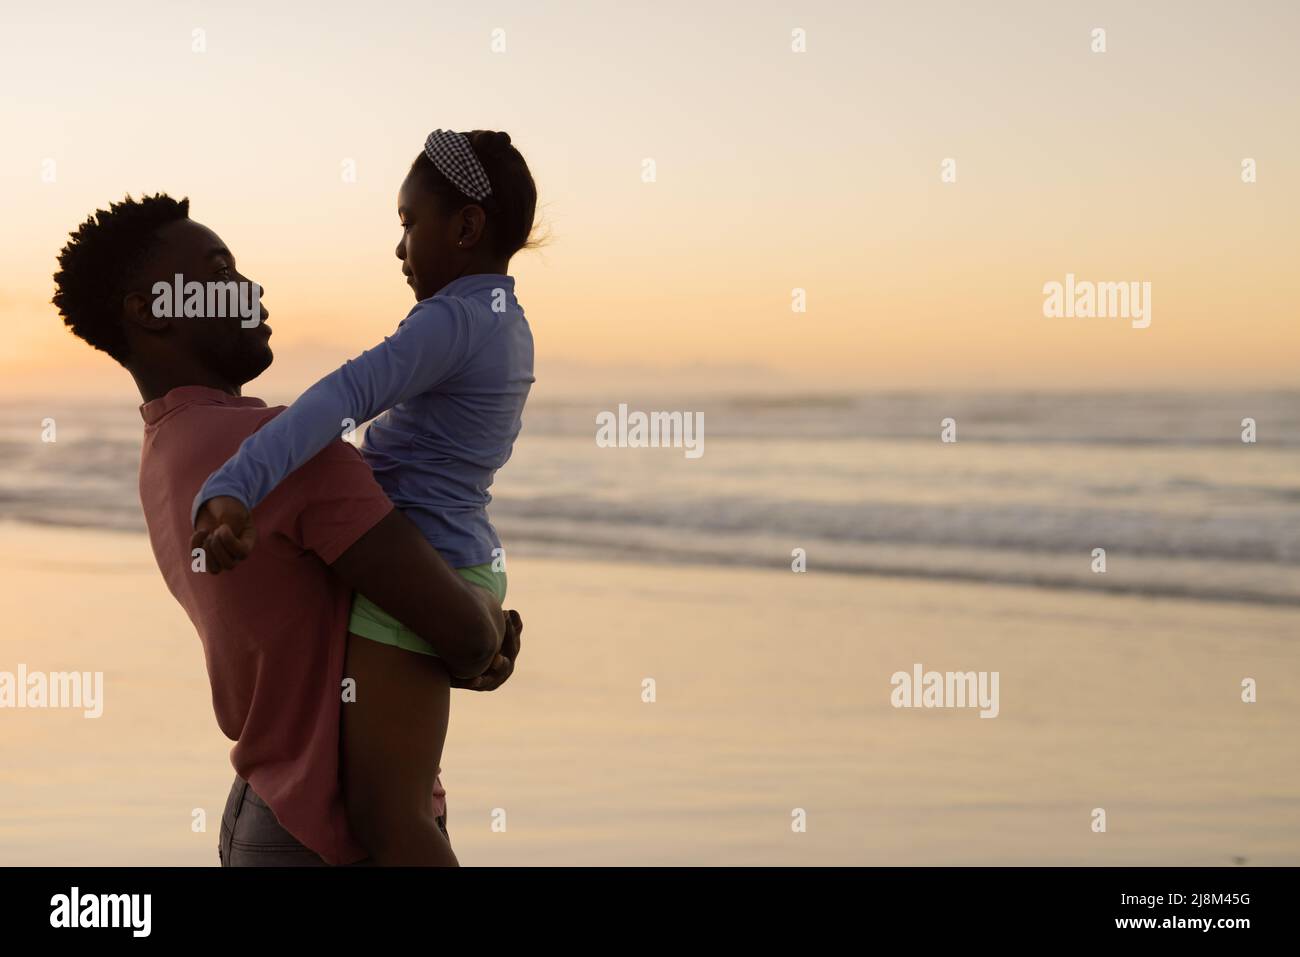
(489, 141)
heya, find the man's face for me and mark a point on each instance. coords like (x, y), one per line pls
(222, 344)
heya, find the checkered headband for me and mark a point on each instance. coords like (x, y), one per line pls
(454, 158)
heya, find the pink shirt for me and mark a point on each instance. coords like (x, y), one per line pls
(274, 631)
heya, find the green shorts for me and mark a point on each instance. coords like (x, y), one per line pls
(370, 621)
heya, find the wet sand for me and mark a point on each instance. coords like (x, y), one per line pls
(772, 693)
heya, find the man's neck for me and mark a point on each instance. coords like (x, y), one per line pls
(155, 383)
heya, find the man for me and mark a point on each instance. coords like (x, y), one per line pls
(274, 632)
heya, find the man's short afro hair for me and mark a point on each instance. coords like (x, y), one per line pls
(98, 266)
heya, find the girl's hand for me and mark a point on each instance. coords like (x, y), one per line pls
(224, 530)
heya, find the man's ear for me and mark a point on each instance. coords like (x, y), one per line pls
(137, 310)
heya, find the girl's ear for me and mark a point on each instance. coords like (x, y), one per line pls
(472, 223)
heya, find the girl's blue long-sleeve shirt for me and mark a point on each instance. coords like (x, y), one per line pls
(450, 383)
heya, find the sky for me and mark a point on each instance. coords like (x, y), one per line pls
(774, 170)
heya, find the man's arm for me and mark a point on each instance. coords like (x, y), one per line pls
(403, 574)
(333, 507)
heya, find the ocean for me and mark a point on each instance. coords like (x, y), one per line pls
(857, 484)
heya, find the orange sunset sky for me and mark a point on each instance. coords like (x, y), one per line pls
(775, 170)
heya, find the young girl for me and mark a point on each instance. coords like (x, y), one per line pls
(450, 382)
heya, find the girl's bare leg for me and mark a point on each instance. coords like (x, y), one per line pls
(392, 738)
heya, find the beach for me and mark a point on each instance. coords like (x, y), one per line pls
(771, 695)
(918, 489)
